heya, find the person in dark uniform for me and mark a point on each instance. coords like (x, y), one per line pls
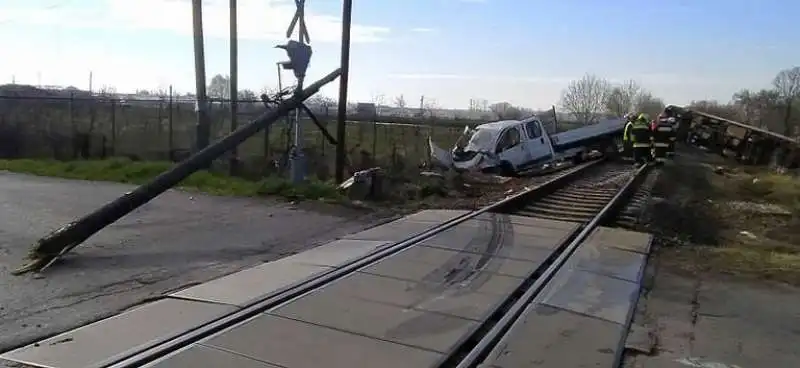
(627, 139)
(642, 136)
(661, 139)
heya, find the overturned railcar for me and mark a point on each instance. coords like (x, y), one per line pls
(746, 143)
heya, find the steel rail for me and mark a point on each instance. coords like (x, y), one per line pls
(141, 355)
(497, 329)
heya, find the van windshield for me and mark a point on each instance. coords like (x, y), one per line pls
(476, 140)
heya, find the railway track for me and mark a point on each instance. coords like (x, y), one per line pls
(590, 195)
(596, 197)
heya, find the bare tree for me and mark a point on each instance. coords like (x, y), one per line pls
(585, 98)
(715, 108)
(220, 87)
(505, 111)
(758, 108)
(400, 103)
(247, 95)
(322, 103)
(646, 103)
(269, 91)
(622, 98)
(787, 86)
(429, 107)
(106, 90)
(378, 100)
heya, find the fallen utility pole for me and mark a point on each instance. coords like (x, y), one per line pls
(54, 245)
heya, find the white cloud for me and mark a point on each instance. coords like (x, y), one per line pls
(482, 78)
(258, 19)
(422, 30)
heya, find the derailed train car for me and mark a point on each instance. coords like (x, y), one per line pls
(747, 143)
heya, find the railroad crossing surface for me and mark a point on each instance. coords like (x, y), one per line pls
(415, 308)
(180, 239)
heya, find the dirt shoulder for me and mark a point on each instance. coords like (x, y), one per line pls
(723, 285)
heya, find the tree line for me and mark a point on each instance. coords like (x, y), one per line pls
(591, 98)
(776, 108)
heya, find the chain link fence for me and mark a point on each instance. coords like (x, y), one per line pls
(163, 128)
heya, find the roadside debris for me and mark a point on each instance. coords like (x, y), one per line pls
(437, 186)
(365, 185)
(747, 234)
(760, 208)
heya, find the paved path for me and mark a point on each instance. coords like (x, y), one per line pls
(177, 240)
(716, 321)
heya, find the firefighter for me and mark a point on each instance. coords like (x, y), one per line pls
(627, 142)
(642, 135)
(661, 139)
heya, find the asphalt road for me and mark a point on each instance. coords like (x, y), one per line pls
(177, 240)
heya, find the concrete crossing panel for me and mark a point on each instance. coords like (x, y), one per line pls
(295, 344)
(580, 317)
(245, 286)
(101, 341)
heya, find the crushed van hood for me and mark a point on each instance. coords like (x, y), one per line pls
(463, 160)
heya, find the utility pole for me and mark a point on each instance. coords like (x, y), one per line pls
(295, 50)
(341, 116)
(203, 124)
(234, 79)
(90, 82)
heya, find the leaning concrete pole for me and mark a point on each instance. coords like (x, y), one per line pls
(49, 248)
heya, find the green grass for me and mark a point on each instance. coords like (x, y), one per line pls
(123, 170)
(773, 188)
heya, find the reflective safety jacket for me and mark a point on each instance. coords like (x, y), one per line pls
(641, 134)
(626, 136)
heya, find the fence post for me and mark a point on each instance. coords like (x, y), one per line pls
(418, 141)
(113, 127)
(73, 124)
(159, 126)
(170, 136)
(86, 147)
(375, 140)
(322, 137)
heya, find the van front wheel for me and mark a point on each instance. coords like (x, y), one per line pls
(506, 169)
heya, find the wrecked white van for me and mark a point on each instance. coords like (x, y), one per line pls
(512, 146)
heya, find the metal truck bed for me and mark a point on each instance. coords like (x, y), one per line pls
(569, 138)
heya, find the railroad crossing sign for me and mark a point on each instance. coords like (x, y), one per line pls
(299, 17)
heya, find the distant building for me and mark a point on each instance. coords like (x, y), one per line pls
(366, 110)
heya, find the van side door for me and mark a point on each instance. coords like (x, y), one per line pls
(538, 142)
(510, 147)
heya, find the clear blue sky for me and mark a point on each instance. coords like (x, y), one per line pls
(450, 51)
